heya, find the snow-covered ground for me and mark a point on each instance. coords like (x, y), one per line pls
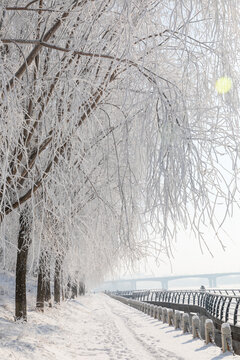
(96, 327)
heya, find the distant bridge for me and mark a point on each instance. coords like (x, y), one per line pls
(164, 280)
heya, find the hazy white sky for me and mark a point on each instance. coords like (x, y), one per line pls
(188, 258)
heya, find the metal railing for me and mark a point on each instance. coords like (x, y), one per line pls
(222, 304)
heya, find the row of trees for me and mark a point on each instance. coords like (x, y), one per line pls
(111, 132)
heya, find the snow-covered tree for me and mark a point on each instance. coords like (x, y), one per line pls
(110, 121)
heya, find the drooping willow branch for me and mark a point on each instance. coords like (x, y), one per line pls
(37, 48)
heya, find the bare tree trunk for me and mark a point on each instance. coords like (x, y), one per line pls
(48, 288)
(47, 279)
(74, 290)
(57, 280)
(63, 294)
(81, 289)
(41, 288)
(21, 267)
(68, 289)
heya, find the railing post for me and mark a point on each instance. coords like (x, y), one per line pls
(186, 324)
(152, 310)
(164, 315)
(159, 313)
(177, 320)
(195, 326)
(170, 317)
(226, 337)
(209, 331)
(155, 312)
(149, 309)
(145, 308)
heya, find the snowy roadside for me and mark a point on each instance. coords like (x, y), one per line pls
(96, 326)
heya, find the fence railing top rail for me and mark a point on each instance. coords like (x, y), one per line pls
(221, 304)
(226, 293)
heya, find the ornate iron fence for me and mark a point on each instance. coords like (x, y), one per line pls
(222, 304)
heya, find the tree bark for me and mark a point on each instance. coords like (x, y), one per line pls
(68, 289)
(21, 267)
(74, 290)
(57, 280)
(41, 288)
(63, 290)
(81, 289)
(47, 279)
(48, 288)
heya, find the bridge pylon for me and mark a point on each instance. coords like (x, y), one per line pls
(212, 281)
(164, 284)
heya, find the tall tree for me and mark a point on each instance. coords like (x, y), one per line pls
(110, 109)
(24, 241)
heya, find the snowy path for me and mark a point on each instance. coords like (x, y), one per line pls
(97, 327)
